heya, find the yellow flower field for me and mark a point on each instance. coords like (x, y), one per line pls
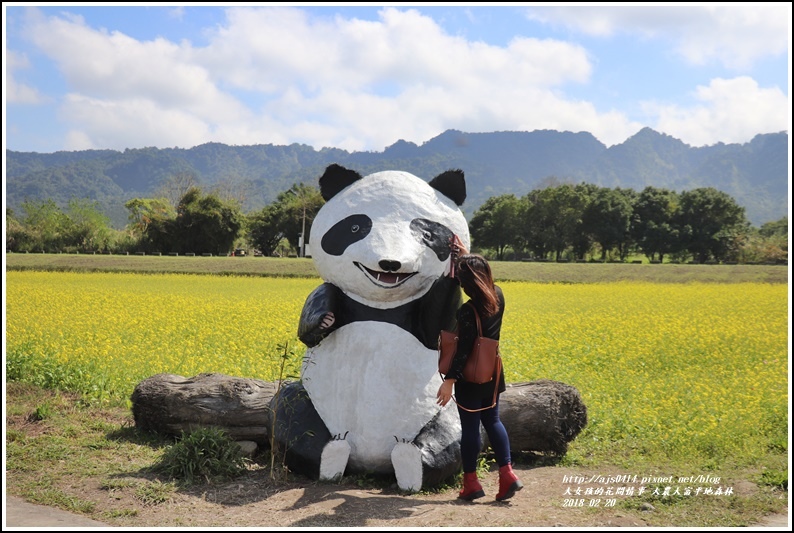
(689, 372)
(123, 328)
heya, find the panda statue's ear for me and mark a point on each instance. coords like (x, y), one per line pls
(335, 178)
(452, 185)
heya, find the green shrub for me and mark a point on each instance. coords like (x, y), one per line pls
(42, 412)
(205, 453)
(775, 478)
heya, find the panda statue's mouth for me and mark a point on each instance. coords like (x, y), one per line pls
(387, 280)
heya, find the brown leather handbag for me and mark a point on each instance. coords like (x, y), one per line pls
(447, 346)
(481, 365)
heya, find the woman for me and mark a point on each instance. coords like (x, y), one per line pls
(474, 274)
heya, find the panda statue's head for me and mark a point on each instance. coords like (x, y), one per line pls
(383, 239)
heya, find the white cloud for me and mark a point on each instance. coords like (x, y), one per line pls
(267, 49)
(131, 123)
(318, 81)
(729, 109)
(16, 92)
(736, 35)
(280, 75)
(78, 140)
(115, 67)
(323, 77)
(739, 35)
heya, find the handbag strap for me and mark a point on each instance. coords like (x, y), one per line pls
(477, 317)
(495, 390)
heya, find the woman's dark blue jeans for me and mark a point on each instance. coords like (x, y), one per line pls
(470, 442)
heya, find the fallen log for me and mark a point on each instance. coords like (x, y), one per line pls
(540, 416)
(170, 404)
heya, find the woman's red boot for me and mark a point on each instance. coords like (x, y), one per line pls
(471, 487)
(509, 484)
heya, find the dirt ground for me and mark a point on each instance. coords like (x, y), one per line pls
(132, 500)
(256, 501)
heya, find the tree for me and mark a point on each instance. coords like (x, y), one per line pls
(206, 224)
(537, 216)
(582, 240)
(44, 227)
(553, 218)
(176, 187)
(769, 244)
(14, 231)
(777, 228)
(143, 211)
(152, 221)
(88, 228)
(496, 224)
(299, 205)
(232, 189)
(287, 218)
(265, 229)
(711, 223)
(653, 222)
(607, 218)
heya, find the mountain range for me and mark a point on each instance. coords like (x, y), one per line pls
(755, 174)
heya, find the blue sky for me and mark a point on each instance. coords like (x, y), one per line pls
(361, 77)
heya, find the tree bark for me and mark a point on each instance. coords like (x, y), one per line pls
(170, 404)
(540, 416)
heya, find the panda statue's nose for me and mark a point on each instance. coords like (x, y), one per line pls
(389, 266)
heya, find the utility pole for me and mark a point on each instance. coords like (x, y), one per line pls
(303, 229)
(302, 240)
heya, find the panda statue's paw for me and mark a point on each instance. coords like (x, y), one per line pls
(406, 459)
(333, 460)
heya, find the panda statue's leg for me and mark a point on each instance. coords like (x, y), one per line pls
(298, 431)
(334, 459)
(406, 458)
(432, 457)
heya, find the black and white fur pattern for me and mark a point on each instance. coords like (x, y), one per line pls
(381, 244)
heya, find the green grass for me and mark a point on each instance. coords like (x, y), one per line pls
(304, 267)
(251, 266)
(81, 457)
(647, 273)
(124, 480)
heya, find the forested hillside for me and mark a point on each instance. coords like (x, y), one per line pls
(754, 173)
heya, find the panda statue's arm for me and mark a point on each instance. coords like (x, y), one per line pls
(322, 301)
(439, 307)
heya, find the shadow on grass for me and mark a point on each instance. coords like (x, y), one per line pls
(133, 435)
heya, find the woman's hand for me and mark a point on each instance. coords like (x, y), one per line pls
(328, 320)
(457, 246)
(444, 393)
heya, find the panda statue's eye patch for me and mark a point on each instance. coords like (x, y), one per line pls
(344, 233)
(433, 235)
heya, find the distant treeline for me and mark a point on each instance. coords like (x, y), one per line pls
(577, 222)
(559, 222)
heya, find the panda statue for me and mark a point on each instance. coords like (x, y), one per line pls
(366, 401)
